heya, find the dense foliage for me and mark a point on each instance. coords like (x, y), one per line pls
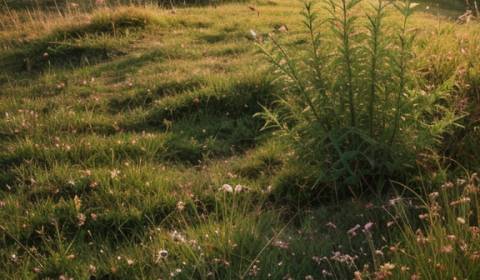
(350, 105)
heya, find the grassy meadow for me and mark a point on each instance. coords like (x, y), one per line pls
(136, 141)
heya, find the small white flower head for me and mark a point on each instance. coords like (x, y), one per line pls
(178, 237)
(253, 34)
(281, 244)
(413, 5)
(368, 226)
(238, 188)
(394, 201)
(451, 237)
(81, 218)
(331, 225)
(353, 231)
(180, 206)
(161, 255)
(461, 182)
(423, 216)
(446, 249)
(92, 269)
(434, 195)
(325, 273)
(226, 188)
(114, 173)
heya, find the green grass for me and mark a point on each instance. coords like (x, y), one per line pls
(126, 132)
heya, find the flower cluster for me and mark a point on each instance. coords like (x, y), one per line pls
(229, 189)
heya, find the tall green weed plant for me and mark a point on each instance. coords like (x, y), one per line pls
(349, 104)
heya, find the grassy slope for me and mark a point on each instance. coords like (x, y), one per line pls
(121, 127)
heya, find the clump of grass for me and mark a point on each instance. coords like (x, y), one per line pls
(350, 105)
(145, 98)
(230, 98)
(101, 38)
(47, 54)
(266, 159)
(122, 19)
(441, 242)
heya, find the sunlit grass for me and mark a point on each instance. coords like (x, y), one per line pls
(121, 125)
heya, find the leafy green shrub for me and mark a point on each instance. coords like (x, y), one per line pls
(349, 106)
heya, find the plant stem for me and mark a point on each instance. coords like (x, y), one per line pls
(375, 29)
(348, 62)
(402, 69)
